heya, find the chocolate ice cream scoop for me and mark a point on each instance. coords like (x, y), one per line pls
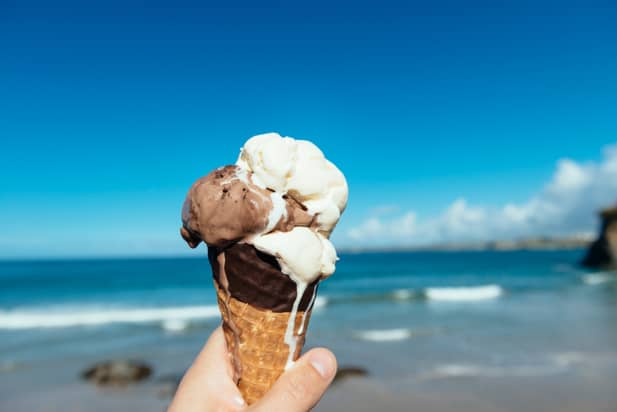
(225, 207)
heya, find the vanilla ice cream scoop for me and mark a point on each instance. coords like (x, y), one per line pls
(299, 169)
(302, 253)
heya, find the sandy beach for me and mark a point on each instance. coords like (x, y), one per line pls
(581, 388)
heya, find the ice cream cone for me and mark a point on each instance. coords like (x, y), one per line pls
(267, 221)
(256, 342)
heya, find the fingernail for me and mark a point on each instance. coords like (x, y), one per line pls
(323, 363)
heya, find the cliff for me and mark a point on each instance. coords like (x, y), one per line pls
(603, 251)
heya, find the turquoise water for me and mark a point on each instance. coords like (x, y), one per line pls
(434, 313)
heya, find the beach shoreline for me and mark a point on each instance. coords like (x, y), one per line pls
(483, 332)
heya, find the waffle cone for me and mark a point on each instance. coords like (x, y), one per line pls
(256, 343)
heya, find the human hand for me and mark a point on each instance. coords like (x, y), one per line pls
(208, 385)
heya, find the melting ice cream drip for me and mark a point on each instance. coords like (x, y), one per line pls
(308, 308)
(291, 339)
(278, 211)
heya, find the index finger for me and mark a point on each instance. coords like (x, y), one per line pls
(208, 384)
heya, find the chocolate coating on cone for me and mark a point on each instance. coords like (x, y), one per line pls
(255, 278)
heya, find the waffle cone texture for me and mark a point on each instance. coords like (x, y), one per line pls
(256, 343)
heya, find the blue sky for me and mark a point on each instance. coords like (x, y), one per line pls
(435, 111)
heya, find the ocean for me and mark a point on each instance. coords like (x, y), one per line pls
(411, 319)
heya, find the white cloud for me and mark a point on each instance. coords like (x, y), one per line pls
(566, 205)
(570, 176)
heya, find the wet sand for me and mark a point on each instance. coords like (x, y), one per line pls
(50, 389)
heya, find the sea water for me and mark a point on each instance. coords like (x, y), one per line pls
(422, 316)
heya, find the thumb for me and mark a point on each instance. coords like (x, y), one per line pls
(300, 388)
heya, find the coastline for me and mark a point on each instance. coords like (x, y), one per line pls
(503, 245)
(528, 244)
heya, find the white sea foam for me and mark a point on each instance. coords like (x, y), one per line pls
(320, 302)
(464, 294)
(567, 359)
(599, 278)
(32, 319)
(384, 335)
(403, 294)
(489, 371)
(556, 363)
(175, 325)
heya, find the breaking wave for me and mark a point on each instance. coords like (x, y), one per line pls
(175, 319)
(384, 335)
(172, 318)
(464, 294)
(446, 294)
